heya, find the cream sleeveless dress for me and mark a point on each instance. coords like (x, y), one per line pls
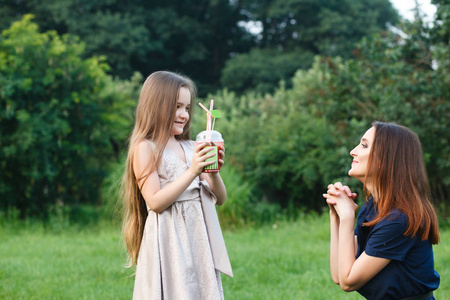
(175, 259)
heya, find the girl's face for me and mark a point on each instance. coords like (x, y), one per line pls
(361, 155)
(182, 112)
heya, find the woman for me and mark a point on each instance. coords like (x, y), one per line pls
(396, 226)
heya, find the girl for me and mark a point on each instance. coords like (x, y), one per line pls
(396, 226)
(164, 226)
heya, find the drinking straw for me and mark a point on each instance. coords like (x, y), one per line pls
(208, 116)
(211, 106)
(202, 106)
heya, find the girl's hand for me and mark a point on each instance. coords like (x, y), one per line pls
(221, 160)
(199, 157)
(221, 156)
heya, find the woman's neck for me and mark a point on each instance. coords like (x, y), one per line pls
(371, 189)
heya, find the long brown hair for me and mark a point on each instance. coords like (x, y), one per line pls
(155, 116)
(400, 180)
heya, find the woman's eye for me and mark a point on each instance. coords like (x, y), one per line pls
(364, 145)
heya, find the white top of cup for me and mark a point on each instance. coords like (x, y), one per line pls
(209, 136)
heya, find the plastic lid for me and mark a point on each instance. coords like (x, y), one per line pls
(209, 136)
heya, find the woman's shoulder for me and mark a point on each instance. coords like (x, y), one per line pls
(395, 219)
(397, 216)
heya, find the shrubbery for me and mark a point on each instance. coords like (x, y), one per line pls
(64, 124)
(293, 143)
(60, 116)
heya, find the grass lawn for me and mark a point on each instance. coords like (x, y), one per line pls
(283, 261)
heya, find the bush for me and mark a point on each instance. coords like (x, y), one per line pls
(290, 145)
(60, 119)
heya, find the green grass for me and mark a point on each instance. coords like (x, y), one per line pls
(286, 261)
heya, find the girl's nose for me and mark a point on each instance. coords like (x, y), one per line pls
(353, 152)
(184, 114)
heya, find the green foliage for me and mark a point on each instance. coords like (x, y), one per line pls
(191, 37)
(112, 209)
(198, 37)
(263, 69)
(58, 119)
(293, 31)
(236, 210)
(441, 31)
(293, 143)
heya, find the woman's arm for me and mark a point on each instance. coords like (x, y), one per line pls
(156, 198)
(334, 227)
(352, 273)
(334, 245)
(361, 271)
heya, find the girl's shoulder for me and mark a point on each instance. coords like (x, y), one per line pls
(143, 154)
(144, 147)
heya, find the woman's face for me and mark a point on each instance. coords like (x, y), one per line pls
(360, 155)
(182, 112)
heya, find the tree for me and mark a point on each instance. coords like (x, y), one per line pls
(293, 143)
(55, 119)
(302, 29)
(191, 37)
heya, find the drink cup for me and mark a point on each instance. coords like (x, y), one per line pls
(215, 142)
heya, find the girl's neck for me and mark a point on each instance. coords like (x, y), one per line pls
(172, 139)
(173, 142)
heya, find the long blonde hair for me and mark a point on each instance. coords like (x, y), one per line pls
(155, 116)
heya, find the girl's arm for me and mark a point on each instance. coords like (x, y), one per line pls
(215, 181)
(156, 198)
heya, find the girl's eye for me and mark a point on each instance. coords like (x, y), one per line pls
(364, 145)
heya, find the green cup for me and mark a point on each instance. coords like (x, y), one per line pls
(214, 141)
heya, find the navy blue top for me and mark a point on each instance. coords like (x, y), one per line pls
(411, 270)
